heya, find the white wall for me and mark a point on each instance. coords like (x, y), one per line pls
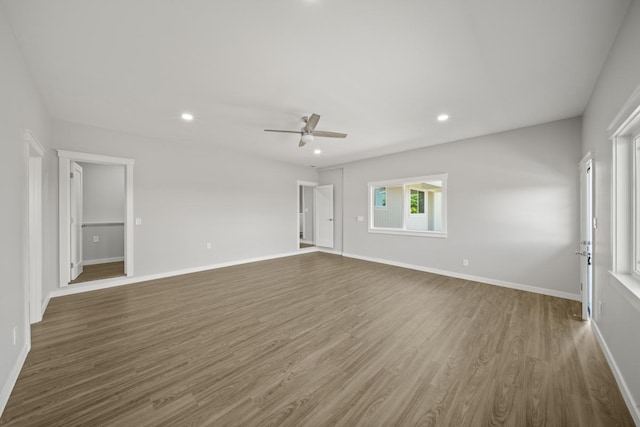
(619, 320)
(512, 207)
(103, 192)
(108, 248)
(103, 197)
(20, 108)
(187, 196)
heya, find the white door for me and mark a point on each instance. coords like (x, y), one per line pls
(76, 220)
(586, 235)
(323, 203)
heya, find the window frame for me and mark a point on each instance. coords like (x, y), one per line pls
(625, 199)
(406, 183)
(635, 197)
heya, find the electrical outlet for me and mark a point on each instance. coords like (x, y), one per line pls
(360, 218)
(465, 262)
(96, 239)
(600, 308)
(15, 335)
(208, 245)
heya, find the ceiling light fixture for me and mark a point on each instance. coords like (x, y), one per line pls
(317, 151)
(443, 117)
(187, 117)
(306, 138)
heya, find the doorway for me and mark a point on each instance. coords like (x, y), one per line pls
(96, 217)
(586, 235)
(97, 237)
(305, 210)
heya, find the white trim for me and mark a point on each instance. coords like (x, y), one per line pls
(308, 242)
(13, 376)
(502, 283)
(65, 159)
(94, 158)
(45, 303)
(623, 193)
(629, 111)
(634, 409)
(629, 286)
(121, 281)
(308, 250)
(35, 153)
(399, 232)
(587, 190)
(329, 251)
(102, 260)
(33, 143)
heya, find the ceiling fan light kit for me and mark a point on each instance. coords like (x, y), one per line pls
(308, 132)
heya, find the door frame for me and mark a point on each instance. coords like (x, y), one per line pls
(586, 251)
(64, 181)
(34, 153)
(76, 223)
(302, 184)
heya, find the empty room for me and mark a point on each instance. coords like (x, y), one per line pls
(320, 212)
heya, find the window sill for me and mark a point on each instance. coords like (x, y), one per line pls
(630, 286)
(436, 234)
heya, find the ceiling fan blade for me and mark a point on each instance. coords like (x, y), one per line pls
(283, 131)
(301, 143)
(312, 122)
(329, 134)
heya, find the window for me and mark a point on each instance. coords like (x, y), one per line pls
(625, 135)
(411, 206)
(417, 202)
(381, 197)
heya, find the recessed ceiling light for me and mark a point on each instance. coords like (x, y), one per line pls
(187, 117)
(317, 151)
(443, 117)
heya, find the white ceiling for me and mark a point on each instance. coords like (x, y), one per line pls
(379, 70)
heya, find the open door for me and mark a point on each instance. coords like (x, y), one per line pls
(586, 235)
(323, 207)
(76, 220)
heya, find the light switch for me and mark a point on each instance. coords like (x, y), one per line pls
(360, 218)
(138, 221)
(96, 239)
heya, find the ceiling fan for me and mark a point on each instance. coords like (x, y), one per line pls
(308, 130)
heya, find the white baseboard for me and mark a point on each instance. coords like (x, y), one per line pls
(45, 303)
(103, 260)
(634, 409)
(13, 376)
(307, 250)
(121, 281)
(329, 251)
(308, 242)
(502, 283)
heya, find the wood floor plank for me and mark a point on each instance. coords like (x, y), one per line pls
(314, 340)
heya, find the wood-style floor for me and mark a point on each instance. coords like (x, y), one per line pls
(100, 271)
(314, 340)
